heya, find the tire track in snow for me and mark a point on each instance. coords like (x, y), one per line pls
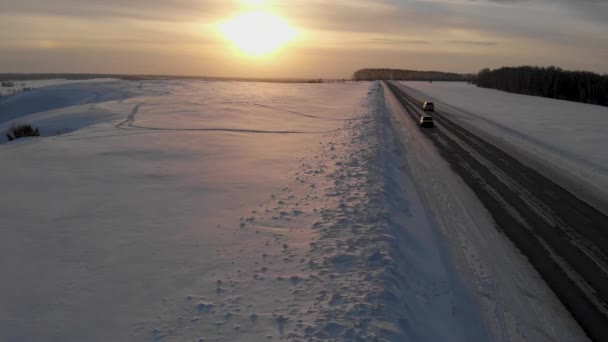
(129, 123)
(130, 118)
(563, 237)
(303, 114)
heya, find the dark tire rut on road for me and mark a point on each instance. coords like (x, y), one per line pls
(563, 237)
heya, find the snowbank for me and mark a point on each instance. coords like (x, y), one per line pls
(60, 96)
(560, 138)
(31, 84)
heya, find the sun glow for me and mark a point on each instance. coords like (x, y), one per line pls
(258, 33)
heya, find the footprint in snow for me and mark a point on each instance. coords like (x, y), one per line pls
(203, 308)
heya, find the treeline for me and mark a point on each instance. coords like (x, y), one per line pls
(552, 82)
(409, 75)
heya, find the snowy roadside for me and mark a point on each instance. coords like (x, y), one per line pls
(562, 139)
(516, 303)
(346, 251)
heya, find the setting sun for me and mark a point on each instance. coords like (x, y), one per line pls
(258, 33)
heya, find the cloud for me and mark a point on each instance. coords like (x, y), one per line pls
(472, 42)
(167, 10)
(596, 10)
(399, 41)
(471, 32)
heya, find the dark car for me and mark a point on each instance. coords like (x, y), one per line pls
(428, 106)
(426, 121)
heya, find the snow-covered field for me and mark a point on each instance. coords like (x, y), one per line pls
(227, 211)
(560, 138)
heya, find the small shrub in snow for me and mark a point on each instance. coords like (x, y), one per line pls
(21, 131)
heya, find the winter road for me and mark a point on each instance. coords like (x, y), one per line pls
(563, 237)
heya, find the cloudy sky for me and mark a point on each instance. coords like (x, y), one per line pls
(334, 37)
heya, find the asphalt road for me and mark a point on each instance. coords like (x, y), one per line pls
(563, 237)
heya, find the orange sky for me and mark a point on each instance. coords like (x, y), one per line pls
(334, 38)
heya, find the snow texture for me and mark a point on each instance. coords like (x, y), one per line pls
(229, 211)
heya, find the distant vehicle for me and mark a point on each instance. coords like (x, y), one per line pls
(428, 106)
(426, 121)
